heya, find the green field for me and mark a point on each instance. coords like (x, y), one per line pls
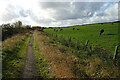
(56, 52)
(91, 32)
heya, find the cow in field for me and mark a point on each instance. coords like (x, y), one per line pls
(101, 31)
(73, 28)
(78, 28)
(61, 29)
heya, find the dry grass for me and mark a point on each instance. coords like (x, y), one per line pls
(13, 41)
(95, 68)
(64, 64)
(58, 63)
(13, 55)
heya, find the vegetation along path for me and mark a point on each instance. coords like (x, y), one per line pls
(29, 63)
(58, 63)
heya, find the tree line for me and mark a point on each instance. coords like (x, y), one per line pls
(9, 30)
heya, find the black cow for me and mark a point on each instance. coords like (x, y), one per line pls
(61, 29)
(73, 28)
(101, 31)
(78, 28)
(54, 29)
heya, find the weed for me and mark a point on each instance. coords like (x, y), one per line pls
(13, 58)
(40, 63)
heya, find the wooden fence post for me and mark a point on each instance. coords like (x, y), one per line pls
(86, 45)
(70, 39)
(116, 52)
(90, 48)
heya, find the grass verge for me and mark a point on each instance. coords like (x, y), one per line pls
(40, 62)
(95, 64)
(13, 57)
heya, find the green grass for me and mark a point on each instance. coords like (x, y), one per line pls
(91, 32)
(13, 59)
(96, 65)
(99, 62)
(40, 62)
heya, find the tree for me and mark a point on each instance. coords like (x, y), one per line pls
(19, 24)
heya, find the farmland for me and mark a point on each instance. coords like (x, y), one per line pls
(100, 48)
(40, 52)
(71, 40)
(91, 32)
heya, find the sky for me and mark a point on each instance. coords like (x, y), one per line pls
(58, 13)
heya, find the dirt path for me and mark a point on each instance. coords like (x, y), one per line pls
(59, 65)
(29, 67)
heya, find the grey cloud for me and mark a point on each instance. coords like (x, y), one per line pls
(38, 20)
(95, 6)
(62, 13)
(24, 13)
(66, 10)
(9, 13)
(12, 12)
(54, 5)
(66, 13)
(119, 10)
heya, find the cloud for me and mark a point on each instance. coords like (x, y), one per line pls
(113, 9)
(57, 13)
(9, 13)
(24, 13)
(79, 12)
(66, 10)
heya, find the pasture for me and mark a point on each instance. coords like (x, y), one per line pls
(108, 40)
(62, 52)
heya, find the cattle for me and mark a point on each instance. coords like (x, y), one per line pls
(78, 28)
(73, 28)
(61, 29)
(101, 31)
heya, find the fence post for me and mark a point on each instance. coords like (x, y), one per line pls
(90, 49)
(86, 45)
(116, 52)
(70, 39)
